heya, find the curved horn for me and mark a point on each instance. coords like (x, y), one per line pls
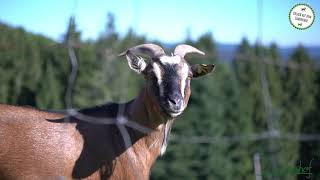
(184, 49)
(151, 50)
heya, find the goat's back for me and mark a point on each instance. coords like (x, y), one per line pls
(32, 147)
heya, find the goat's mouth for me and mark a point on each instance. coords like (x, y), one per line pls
(174, 114)
(171, 112)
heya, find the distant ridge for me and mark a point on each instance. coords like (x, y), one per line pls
(227, 51)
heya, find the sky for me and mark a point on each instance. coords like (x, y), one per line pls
(166, 20)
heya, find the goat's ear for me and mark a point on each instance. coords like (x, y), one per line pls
(199, 70)
(135, 62)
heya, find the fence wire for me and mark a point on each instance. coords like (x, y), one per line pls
(122, 122)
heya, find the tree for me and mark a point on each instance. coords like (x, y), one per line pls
(300, 85)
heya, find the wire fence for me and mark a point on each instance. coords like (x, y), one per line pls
(121, 122)
(273, 132)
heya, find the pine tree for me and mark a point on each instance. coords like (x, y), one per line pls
(300, 85)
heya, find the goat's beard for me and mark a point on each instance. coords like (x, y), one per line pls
(166, 134)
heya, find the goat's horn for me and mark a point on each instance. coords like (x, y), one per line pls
(151, 50)
(184, 49)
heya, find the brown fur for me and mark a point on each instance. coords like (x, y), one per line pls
(31, 147)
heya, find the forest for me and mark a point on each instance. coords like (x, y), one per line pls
(256, 105)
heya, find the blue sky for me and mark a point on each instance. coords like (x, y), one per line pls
(165, 20)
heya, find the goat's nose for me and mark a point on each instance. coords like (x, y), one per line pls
(175, 101)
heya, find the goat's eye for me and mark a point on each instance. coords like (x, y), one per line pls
(151, 74)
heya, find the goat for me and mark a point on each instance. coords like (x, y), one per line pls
(36, 144)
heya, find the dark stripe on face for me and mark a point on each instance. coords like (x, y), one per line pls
(171, 79)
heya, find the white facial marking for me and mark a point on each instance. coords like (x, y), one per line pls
(157, 72)
(170, 59)
(184, 76)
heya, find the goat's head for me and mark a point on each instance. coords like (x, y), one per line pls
(168, 77)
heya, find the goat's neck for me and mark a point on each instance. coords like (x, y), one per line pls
(147, 113)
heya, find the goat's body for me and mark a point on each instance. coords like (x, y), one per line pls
(31, 147)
